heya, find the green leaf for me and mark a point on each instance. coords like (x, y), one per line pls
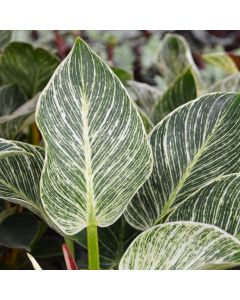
(174, 57)
(5, 37)
(122, 74)
(19, 231)
(8, 149)
(11, 98)
(182, 90)
(29, 67)
(217, 204)
(97, 152)
(221, 61)
(144, 95)
(20, 177)
(11, 125)
(182, 246)
(229, 84)
(113, 242)
(192, 147)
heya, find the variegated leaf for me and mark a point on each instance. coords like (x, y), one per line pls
(29, 67)
(182, 90)
(182, 246)
(11, 97)
(20, 176)
(20, 171)
(218, 204)
(174, 57)
(221, 61)
(5, 37)
(228, 84)
(97, 153)
(193, 146)
(11, 125)
(144, 95)
(8, 149)
(113, 242)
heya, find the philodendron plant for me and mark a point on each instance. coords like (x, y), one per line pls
(99, 169)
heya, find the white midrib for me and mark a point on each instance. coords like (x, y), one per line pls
(91, 218)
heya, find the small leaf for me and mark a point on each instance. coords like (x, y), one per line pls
(19, 231)
(34, 262)
(221, 61)
(29, 67)
(144, 95)
(97, 152)
(182, 90)
(182, 246)
(193, 146)
(174, 57)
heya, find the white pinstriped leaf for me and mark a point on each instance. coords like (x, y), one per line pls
(29, 67)
(228, 84)
(174, 57)
(20, 175)
(11, 125)
(182, 246)
(218, 204)
(20, 171)
(221, 61)
(144, 95)
(8, 149)
(182, 90)
(97, 153)
(193, 146)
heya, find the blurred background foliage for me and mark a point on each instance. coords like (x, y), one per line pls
(132, 56)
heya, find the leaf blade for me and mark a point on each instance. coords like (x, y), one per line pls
(96, 193)
(182, 246)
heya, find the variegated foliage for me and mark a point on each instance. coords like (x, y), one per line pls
(20, 170)
(97, 153)
(15, 114)
(182, 245)
(194, 149)
(174, 57)
(182, 90)
(29, 67)
(230, 83)
(144, 95)
(221, 61)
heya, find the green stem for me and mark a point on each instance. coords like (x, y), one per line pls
(93, 251)
(70, 245)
